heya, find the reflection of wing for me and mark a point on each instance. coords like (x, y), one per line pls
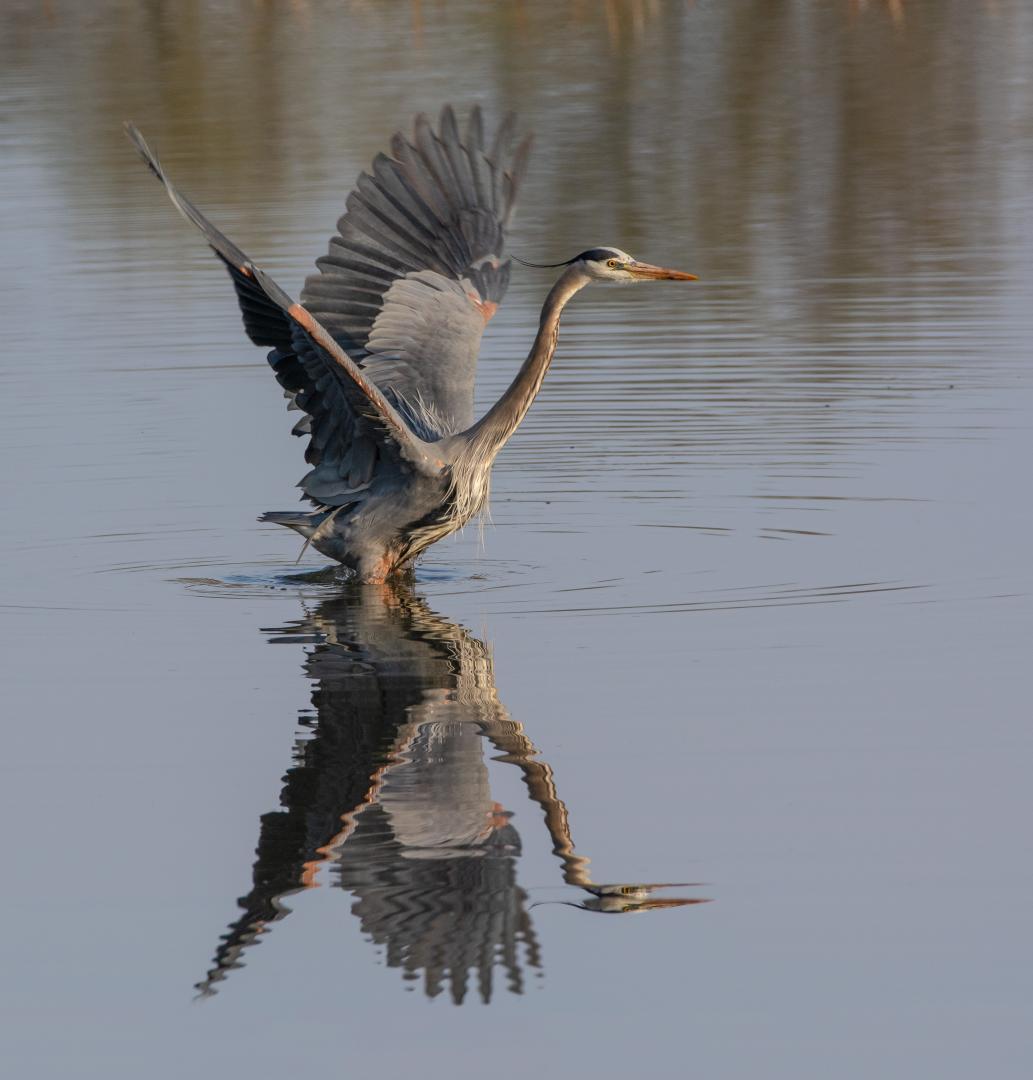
(358, 715)
(391, 791)
(441, 917)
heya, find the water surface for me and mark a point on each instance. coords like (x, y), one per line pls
(752, 611)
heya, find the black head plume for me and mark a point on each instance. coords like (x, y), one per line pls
(591, 255)
(545, 266)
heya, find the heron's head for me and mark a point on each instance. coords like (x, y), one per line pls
(612, 264)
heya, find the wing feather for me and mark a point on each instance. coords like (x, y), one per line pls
(433, 213)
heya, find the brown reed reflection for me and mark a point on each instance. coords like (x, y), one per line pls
(756, 127)
(895, 9)
(389, 798)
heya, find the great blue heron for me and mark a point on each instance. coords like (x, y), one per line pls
(381, 352)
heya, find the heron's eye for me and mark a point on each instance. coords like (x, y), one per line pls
(613, 263)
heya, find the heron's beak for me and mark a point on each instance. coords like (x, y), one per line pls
(647, 272)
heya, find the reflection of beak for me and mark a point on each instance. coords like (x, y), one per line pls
(637, 892)
(615, 905)
(656, 273)
(624, 899)
(619, 905)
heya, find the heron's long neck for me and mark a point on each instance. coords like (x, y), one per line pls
(493, 430)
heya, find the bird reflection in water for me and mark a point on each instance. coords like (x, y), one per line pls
(389, 796)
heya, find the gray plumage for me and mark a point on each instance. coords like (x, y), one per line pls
(381, 352)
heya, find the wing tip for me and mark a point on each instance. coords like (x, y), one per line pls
(150, 158)
(475, 128)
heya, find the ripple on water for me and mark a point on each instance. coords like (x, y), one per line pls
(329, 580)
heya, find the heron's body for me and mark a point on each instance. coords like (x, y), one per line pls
(391, 526)
(396, 520)
(381, 352)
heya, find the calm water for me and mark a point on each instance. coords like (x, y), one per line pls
(752, 614)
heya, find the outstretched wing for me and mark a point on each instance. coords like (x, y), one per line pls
(351, 421)
(416, 269)
(401, 301)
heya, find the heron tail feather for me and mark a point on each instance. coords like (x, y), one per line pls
(298, 520)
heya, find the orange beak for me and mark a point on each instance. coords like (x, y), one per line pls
(657, 273)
